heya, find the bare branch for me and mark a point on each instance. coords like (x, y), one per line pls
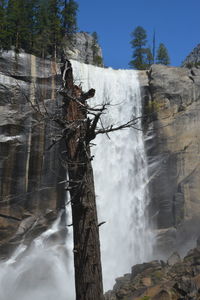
(111, 128)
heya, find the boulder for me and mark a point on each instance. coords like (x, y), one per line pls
(174, 259)
(180, 280)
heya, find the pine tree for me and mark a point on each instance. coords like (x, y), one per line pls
(69, 17)
(37, 26)
(2, 24)
(54, 26)
(17, 20)
(154, 46)
(97, 60)
(31, 14)
(162, 55)
(42, 42)
(140, 52)
(95, 44)
(149, 57)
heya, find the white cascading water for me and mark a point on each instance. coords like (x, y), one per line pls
(41, 272)
(45, 272)
(120, 171)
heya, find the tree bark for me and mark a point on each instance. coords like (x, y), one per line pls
(87, 260)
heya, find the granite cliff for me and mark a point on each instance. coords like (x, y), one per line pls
(32, 178)
(30, 173)
(172, 106)
(83, 48)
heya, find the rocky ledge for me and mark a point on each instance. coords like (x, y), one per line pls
(83, 48)
(175, 279)
(193, 59)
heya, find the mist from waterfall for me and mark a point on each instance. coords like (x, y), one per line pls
(45, 271)
(40, 272)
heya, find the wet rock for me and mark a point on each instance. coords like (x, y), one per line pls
(29, 171)
(163, 282)
(171, 99)
(162, 295)
(174, 259)
(137, 269)
(198, 242)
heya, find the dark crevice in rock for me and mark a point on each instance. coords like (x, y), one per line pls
(9, 217)
(191, 78)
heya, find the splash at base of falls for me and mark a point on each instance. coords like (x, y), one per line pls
(41, 272)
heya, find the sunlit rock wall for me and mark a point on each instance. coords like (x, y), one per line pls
(82, 47)
(30, 172)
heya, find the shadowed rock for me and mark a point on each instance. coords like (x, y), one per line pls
(160, 281)
(171, 99)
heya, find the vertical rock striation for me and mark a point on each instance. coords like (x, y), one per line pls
(82, 47)
(172, 104)
(30, 171)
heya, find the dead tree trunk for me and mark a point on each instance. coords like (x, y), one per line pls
(87, 261)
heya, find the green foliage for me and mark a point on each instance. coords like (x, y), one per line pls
(145, 298)
(54, 26)
(149, 57)
(139, 37)
(17, 23)
(142, 56)
(95, 44)
(20, 19)
(3, 33)
(162, 55)
(191, 65)
(42, 40)
(95, 37)
(37, 26)
(96, 58)
(69, 16)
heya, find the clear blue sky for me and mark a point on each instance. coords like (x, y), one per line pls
(177, 25)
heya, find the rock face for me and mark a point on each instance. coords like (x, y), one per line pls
(82, 47)
(30, 171)
(193, 58)
(172, 105)
(32, 175)
(157, 280)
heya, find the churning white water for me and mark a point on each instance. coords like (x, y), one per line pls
(120, 169)
(41, 272)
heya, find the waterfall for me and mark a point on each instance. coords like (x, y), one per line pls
(120, 169)
(41, 272)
